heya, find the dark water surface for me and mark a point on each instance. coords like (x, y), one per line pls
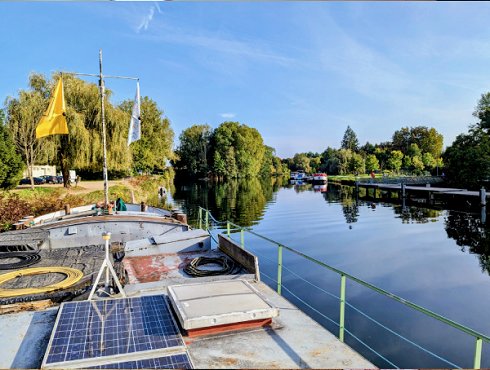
(435, 258)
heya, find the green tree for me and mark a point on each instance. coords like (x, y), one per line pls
(268, 167)
(394, 162)
(367, 148)
(194, 150)
(82, 148)
(407, 162)
(382, 154)
(11, 165)
(482, 111)
(301, 162)
(349, 140)
(152, 151)
(413, 151)
(427, 139)
(344, 158)
(417, 164)
(23, 114)
(467, 160)
(357, 164)
(219, 165)
(244, 143)
(230, 162)
(429, 161)
(276, 162)
(372, 163)
(315, 164)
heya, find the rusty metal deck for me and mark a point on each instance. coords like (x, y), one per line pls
(166, 269)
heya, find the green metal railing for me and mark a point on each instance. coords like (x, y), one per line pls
(479, 337)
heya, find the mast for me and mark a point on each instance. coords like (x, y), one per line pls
(104, 141)
(102, 113)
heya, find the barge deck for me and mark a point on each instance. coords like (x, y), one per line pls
(153, 266)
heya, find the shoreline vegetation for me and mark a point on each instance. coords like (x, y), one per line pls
(232, 150)
(24, 201)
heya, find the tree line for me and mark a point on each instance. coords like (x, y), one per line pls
(232, 150)
(413, 150)
(82, 148)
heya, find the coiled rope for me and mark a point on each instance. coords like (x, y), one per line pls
(72, 277)
(228, 266)
(26, 259)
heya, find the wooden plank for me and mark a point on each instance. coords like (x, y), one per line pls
(233, 250)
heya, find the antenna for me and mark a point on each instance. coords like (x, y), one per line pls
(102, 112)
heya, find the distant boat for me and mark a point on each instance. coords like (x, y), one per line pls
(320, 177)
(298, 175)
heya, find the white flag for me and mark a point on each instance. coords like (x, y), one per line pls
(135, 123)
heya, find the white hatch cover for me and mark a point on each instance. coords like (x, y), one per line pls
(204, 305)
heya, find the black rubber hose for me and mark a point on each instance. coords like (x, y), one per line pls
(228, 266)
(26, 259)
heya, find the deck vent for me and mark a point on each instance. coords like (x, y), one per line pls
(219, 306)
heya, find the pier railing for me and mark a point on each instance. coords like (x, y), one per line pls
(208, 222)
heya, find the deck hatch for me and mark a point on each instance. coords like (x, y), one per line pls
(218, 303)
(120, 329)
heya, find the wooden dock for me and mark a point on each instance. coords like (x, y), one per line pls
(428, 192)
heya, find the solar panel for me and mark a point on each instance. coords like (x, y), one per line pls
(176, 361)
(98, 329)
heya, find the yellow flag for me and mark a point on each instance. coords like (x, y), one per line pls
(53, 120)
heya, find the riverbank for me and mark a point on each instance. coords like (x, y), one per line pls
(352, 179)
(24, 201)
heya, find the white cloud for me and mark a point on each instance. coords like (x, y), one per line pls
(227, 115)
(145, 22)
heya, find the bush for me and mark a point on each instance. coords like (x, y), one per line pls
(12, 209)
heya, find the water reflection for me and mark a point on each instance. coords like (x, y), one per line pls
(416, 214)
(244, 202)
(470, 234)
(241, 201)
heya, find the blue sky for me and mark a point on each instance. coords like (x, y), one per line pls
(299, 72)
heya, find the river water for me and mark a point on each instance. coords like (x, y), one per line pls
(438, 259)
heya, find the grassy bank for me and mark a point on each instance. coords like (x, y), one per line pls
(18, 203)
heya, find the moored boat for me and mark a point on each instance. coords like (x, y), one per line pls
(320, 177)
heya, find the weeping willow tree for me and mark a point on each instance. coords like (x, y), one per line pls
(23, 114)
(82, 149)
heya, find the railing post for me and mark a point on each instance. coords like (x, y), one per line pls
(342, 308)
(478, 346)
(200, 217)
(207, 219)
(279, 269)
(242, 238)
(228, 229)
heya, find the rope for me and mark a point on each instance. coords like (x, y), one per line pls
(72, 277)
(228, 266)
(26, 259)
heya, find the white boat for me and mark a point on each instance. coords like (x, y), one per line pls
(320, 177)
(298, 175)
